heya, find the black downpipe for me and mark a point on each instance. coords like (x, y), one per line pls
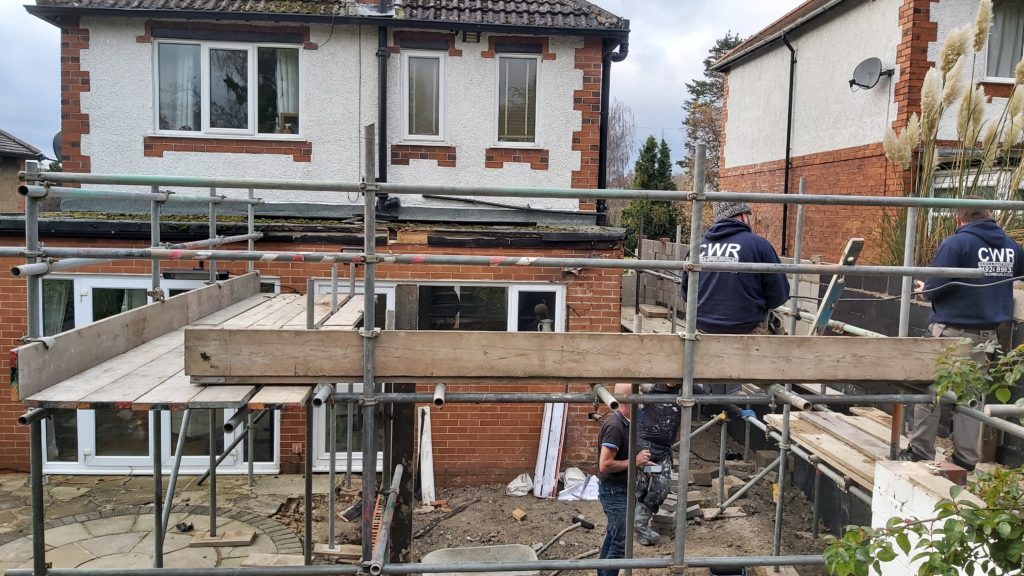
(608, 56)
(789, 146)
(382, 98)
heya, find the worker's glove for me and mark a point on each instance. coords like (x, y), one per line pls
(748, 414)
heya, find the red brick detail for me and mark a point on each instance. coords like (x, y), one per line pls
(402, 153)
(472, 444)
(542, 41)
(535, 157)
(147, 38)
(587, 100)
(73, 82)
(155, 146)
(398, 35)
(997, 90)
(858, 171)
(912, 57)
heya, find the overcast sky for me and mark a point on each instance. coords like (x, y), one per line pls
(669, 40)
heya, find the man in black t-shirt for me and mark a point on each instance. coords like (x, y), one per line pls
(613, 466)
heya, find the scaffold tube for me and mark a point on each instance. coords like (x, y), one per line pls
(489, 261)
(583, 398)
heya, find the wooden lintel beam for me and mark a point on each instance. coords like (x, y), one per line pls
(213, 355)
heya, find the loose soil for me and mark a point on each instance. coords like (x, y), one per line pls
(488, 520)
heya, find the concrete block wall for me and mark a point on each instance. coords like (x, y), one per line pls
(907, 490)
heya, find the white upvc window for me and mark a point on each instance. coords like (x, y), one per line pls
(226, 89)
(1006, 40)
(516, 94)
(423, 95)
(117, 441)
(488, 306)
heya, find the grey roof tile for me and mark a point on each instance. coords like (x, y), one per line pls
(570, 14)
(11, 147)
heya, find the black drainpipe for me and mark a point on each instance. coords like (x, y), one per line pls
(382, 98)
(608, 55)
(789, 140)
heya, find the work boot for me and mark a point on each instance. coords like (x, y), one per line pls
(955, 459)
(908, 455)
(645, 536)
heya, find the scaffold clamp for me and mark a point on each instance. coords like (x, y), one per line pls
(686, 402)
(369, 333)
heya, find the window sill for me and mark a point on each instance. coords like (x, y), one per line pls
(996, 80)
(226, 136)
(432, 143)
(518, 146)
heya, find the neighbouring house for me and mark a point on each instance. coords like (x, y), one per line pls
(13, 153)
(792, 112)
(488, 93)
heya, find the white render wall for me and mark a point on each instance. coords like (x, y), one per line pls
(949, 15)
(826, 114)
(334, 111)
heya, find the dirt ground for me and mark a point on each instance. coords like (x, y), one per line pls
(488, 520)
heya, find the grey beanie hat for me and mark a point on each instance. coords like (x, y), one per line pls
(730, 210)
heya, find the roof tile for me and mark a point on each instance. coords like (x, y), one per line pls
(11, 147)
(571, 14)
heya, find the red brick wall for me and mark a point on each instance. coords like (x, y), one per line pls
(443, 155)
(859, 171)
(74, 81)
(497, 157)
(299, 150)
(912, 57)
(473, 443)
(587, 140)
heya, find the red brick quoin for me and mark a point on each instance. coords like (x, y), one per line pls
(587, 100)
(300, 150)
(402, 153)
(73, 122)
(497, 157)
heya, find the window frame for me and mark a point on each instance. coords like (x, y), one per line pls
(87, 461)
(499, 143)
(321, 456)
(441, 57)
(986, 78)
(252, 51)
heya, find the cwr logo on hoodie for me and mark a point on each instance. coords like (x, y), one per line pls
(719, 252)
(996, 261)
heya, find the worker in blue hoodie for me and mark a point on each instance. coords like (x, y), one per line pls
(960, 311)
(735, 302)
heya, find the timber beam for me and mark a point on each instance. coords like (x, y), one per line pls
(226, 356)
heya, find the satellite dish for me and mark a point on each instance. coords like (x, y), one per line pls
(56, 147)
(867, 73)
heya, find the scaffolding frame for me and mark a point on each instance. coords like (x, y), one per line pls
(40, 260)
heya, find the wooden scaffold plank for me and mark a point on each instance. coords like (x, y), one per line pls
(295, 356)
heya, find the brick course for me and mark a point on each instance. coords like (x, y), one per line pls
(443, 155)
(156, 146)
(537, 158)
(473, 443)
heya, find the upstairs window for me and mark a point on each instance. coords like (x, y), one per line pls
(1006, 40)
(423, 95)
(517, 99)
(234, 89)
